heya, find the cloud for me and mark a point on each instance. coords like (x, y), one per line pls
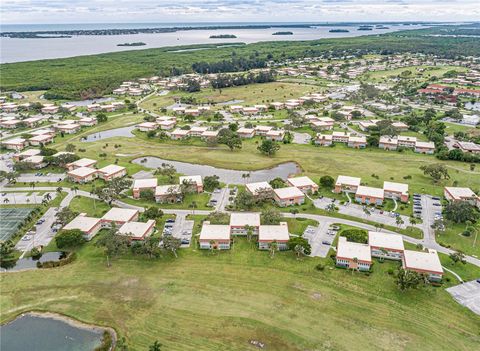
(158, 11)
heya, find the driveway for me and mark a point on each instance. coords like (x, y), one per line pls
(468, 295)
(182, 228)
(428, 217)
(316, 236)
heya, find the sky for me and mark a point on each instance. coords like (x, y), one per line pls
(160, 11)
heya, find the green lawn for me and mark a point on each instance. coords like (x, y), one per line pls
(222, 301)
(453, 238)
(93, 208)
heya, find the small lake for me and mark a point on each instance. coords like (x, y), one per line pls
(30, 263)
(228, 176)
(117, 132)
(34, 332)
(475, 106)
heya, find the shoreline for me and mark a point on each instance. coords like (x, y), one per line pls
(70, 321)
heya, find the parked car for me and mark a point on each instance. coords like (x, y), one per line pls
(326, 242)
(335, 227)
(435, 198)
(437, 204)
(185, 241)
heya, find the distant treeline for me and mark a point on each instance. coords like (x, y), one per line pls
(93, 76)
(227, 80)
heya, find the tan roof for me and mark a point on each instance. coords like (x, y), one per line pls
(396, 187)
(288, 192)
(136, 230)
(351, 250)
(370, 191)
(41, 137)
(34, 159)
(120, 214)
(161, 190)
(82, 172)
(346, 180)
(244, 130)
(274, 232)
(385, 240)
(215, 231)
(423, 261)
(460, 193)
(425, 144)
(191, 179)
(83, 162)
(111, 169)
(255, 187)
(301, 181)
(82, 223)
(241, 219)
(145, 183)
(29, 152)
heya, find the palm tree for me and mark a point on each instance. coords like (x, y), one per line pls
(75, 189)
(294, 211)
(355, 260)
(193, 206)
(47, 197)
(6, 201)
(212, 246)
(32, 185)
(299, 250)
(399, 221)
(59, 190)
(249, 230)
(273, 248)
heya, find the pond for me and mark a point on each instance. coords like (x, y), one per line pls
(31, 263)
(117, 132)
(33, 331)
(228, 176)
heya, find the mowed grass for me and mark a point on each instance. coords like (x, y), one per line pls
(250, 94)
(221, 301)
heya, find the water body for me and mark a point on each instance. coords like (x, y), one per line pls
(39, 333)
(117, 132)
(229, 176)
(31, 263)
(89, 102)
(17, 49)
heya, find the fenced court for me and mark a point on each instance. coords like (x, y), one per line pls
(11, 219)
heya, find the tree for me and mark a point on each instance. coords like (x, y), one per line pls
(70, 148)
(101, 117)
(249, 230)
(399, 221)
(268, 147)
(166, 170)
(147, 194)
(331, 207)
(271, 216)
(273, 248)
(299, 250)
(355, 235)
(407, 279)
(114, 245)
(436, 171)
(193, 205)
(294, 211)
(150, 247)
(293, 242)
(156, 346)
(6, 250)
(211, 182)
(230, 138)
(277, 183)
(244, 200)
(152, 212)
(460, 212)
(169, 243)
(65, 215)
(70, 239)
(458, 256)
(327, 182)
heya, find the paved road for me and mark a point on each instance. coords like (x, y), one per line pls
(317, 235)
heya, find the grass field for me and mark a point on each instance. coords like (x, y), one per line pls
(417, 72)
(222, 301)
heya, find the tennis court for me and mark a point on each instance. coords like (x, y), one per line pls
(11, 219)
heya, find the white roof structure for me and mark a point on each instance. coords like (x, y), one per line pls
(162, 190)
(244, 130)
(42, 132)
(346, 180)
(386, 241)
(83, 162)
(288, 192)
(460, 193)
(263, 128)
(136, 230)
(181, 132)
(422, 261)
(120, 214)
(14, 141)
(214, 231)
(357, 139)
(407, 138)
(350, 250)
(198, 129)
(301, 181)
(145, 183)
(29, 152)
(274, 232)
(82, 223)
(384, 139)
(256, 187)
(370, 191)
(196, 179)
(425, 144)
(241, 219)
(36, 159)
(82, 172)
(396, 187)
(111, 169)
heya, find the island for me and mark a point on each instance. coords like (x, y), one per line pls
(223, 36)
(365, 28)
(283, 33)
(339, 31)
(132, 44)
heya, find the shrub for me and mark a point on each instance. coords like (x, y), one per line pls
(320, 267)
(390, 271)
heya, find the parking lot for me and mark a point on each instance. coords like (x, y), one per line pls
(41, 177)
(180, 228)
(320, 238)
(25, 198)
(467, 294)
(41, 234)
